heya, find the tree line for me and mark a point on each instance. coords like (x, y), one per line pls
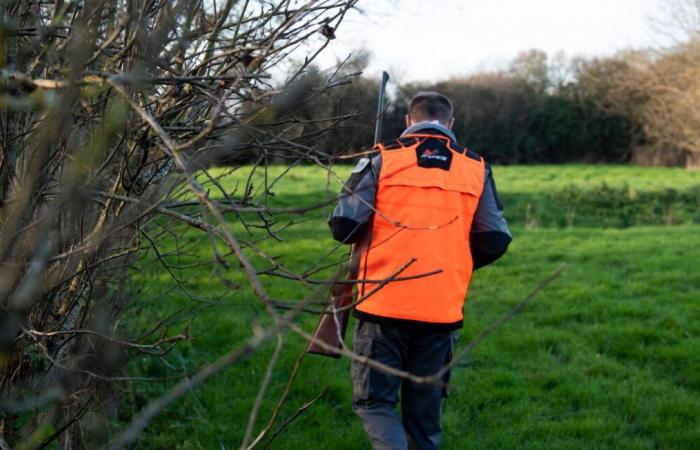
(639, 106)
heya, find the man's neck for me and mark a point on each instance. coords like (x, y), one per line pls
(429, 124)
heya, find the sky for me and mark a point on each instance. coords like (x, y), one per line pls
(432, 40)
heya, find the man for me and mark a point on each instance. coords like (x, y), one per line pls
(425, 213)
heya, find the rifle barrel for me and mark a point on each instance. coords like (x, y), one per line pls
(380, 108)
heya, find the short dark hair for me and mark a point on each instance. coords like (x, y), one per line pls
(430, 105)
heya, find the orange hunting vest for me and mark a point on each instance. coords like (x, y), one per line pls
(427, 195)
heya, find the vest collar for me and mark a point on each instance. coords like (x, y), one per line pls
(430, 127)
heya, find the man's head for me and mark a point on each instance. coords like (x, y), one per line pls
(429, 106)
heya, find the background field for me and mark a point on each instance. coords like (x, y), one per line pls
(606, 357)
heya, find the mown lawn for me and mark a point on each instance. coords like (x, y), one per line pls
(606, 357)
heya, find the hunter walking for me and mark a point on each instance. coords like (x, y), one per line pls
(424, 202)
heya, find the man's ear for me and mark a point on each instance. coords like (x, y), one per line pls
(450, 123)
(409, 122)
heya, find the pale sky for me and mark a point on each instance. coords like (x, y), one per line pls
(432, 40)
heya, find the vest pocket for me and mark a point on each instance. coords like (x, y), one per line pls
(462, 187)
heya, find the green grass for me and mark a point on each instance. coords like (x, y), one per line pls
(606, 357)
(536, 179)
(540, 196)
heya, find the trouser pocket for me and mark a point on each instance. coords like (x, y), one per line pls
(448, 360)
(361, 346)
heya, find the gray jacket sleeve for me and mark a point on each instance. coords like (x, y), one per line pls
(350, 218)
(489, 236)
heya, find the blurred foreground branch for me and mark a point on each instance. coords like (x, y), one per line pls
(108, 109)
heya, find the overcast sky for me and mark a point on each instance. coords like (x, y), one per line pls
(432, 40)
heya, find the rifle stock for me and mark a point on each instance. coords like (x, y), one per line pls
(333, 325)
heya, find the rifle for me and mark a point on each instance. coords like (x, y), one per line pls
(333, 325)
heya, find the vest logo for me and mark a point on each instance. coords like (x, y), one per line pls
(433, 154)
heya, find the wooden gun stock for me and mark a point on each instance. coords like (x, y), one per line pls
(333, 325)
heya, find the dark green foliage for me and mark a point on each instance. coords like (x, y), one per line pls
(508, 120)
(334, 121)
(522, 115)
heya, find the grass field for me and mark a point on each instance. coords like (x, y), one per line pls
(608, 357)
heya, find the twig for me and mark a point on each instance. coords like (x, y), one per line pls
(261, 391)
(296, 414)
(146, 348)
(278, 408)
